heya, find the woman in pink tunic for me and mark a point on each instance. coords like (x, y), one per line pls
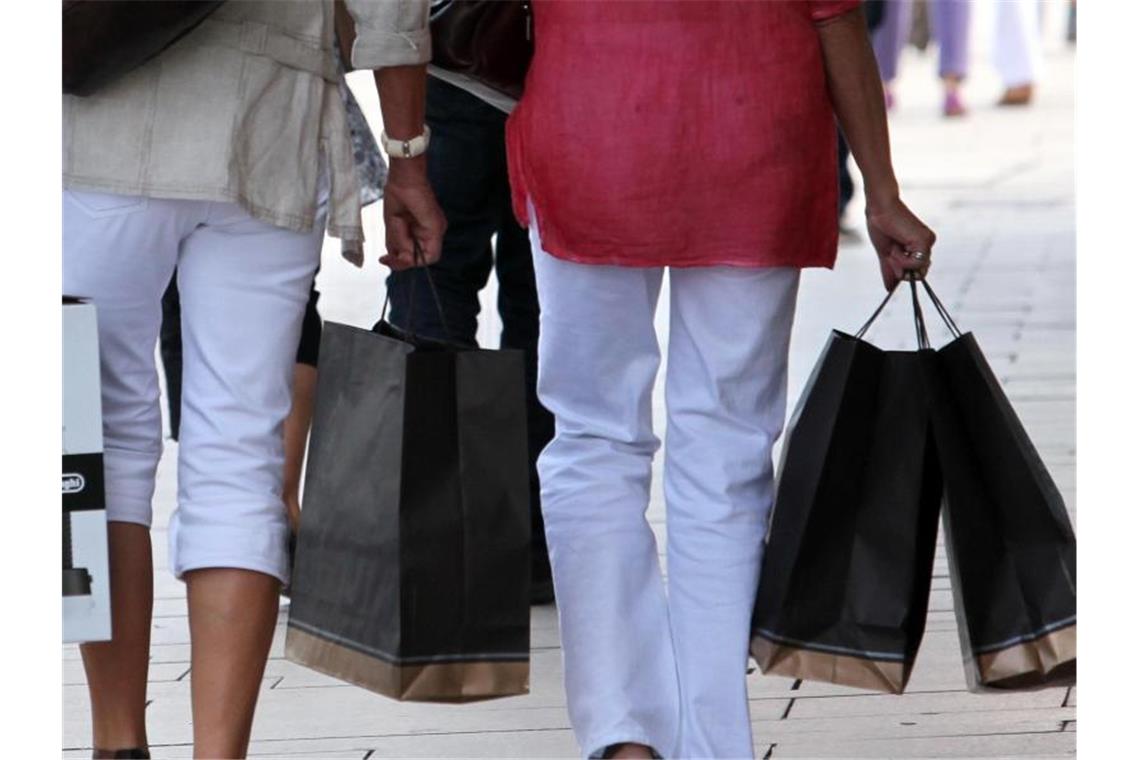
(698, 137)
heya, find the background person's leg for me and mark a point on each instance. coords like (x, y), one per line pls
(846, 186)
(170, 349)
(119, 251)
(888, 40)
(951, 24)
(300, 417)
(1018, 54)
(518, 308)
(598, 357)
(725, 393)
(244, 285)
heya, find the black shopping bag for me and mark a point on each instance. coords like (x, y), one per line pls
(845, 580)
(1010, 545)
(413, 568)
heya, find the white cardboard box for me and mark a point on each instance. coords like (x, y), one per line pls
(86, 580)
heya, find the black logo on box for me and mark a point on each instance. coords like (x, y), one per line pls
(83, 482)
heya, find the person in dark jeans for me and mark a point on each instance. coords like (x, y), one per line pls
(467, 167)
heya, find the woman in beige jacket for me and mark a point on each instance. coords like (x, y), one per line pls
(227, 158)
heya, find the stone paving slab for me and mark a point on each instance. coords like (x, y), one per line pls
(911, 725)
(924, 703)
(1046, 744)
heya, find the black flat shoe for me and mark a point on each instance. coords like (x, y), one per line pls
(134, 753)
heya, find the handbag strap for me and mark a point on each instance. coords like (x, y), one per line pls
(422, 265)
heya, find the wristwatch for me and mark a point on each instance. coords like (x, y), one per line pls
(406, 148)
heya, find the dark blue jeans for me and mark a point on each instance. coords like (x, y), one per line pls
(467, 167)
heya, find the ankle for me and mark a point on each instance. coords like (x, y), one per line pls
(123, 737)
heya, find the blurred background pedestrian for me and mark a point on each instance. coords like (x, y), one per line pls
(949, 25)
(1018, 53)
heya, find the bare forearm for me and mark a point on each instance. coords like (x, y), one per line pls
(402, 91)
(857, 98)
(413, 221)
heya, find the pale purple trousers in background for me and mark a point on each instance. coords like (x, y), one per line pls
(950, 22)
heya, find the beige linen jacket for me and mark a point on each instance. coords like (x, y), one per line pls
(244, 109)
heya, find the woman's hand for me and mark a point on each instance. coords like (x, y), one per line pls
(901, 240)
(411, 213)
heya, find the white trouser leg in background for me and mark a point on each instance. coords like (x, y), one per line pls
(243, 287)
(664, 671)
(1018, 54)
(725, 390)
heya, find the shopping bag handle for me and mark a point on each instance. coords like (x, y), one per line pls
(422, 265)
(942, 310)
(919, 320)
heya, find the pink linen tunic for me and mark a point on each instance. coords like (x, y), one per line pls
(679, 133)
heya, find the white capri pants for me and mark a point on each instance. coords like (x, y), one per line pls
(666, 669)
(243, 285)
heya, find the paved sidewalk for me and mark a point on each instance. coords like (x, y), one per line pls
(998, 188)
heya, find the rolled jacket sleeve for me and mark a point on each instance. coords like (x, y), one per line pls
(390, 33)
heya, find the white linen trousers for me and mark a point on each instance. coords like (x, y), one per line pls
(642, 664)
(243, 285)
(1018, 52)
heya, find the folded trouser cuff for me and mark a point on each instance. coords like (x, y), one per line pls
(261, 547)
(128, 508)
(129, 484)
